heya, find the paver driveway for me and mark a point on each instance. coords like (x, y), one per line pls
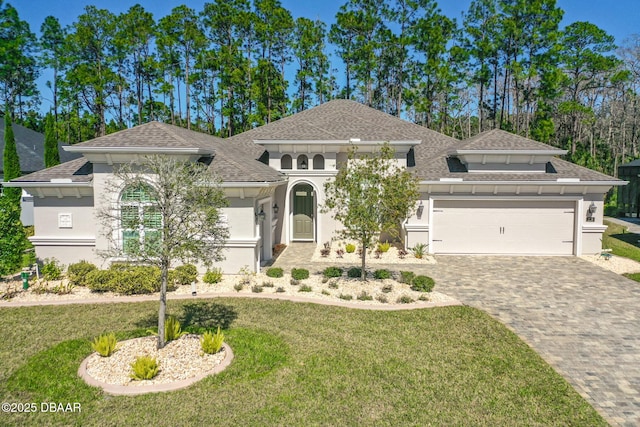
(582, 319)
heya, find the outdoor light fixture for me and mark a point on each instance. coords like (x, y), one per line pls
(591, 210)
(276, 209)
(303, 164)
(420, 210)
(260, 216)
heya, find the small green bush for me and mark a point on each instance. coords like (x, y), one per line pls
(77, 273)
(419, 250)
(364, 296)
(212, 276)
(325, 292)
(345, 297)
(423, 297)
(172, 329)
(101, 280)
(305, 288)
(51, 269)
(267, 284)
(422, 284)
(212, 343)
(382, 274)
(384, 247)
(275, 272)
(127, 280)
(382, 298)
(332, 272)
(61, 289)
(144, 368)
(354, 272)
(238, 287)
(299, 273)
(350, 248)
(405, 299)
(333, 284)
(105, 345)
(256, 289)
(183, 275)
(294, 282)
(280, 289)
(407, 277)
(387, 288)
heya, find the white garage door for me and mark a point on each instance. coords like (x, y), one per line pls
(503, 227)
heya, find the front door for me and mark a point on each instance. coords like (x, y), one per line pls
(303, 212)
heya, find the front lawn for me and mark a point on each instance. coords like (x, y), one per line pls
(296, 364)
(622, 243)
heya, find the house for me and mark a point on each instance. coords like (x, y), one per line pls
(30, 147)
(495, 193)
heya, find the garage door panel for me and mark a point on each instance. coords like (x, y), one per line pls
(503, 227)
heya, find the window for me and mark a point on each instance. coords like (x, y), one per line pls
(285, 162)
(140, 219)
(303, 162)
(318, 161)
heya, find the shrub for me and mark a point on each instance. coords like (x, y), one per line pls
(423, 297)
(101, 280)
(144, 368)
(51, 269)
(364, 296)
(275, 272)
(305, 288)
(382, 274)
(212, 276)
(256, 289)
(172, 329)
(382, 298)
(77, 273)
(387, 288)
(345, 297)
(140, 280)
(332, 272)
(294, 282)
(238, 287)
(105, 345)
(61, 289)
(402, 253)
(247, 275)
(422, 284)
(419, 250)
(325, 292)
(300, 273)
(183, 275)
(267, 284)
(280, 289)
(212, 343)
(324, 252)
(340, 253)
(384, 247)
(350, 248)
(333, 284)
(405, 299)
(354, 272)
(378, 254)
(407, 277)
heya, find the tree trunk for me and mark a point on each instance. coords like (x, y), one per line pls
(163, 304)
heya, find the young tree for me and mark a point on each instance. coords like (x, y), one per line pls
(10, 160)
(172, 212)
(370, 195)
(12, 236)
(51, 153)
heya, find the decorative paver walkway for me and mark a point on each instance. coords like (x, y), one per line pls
(582, 319)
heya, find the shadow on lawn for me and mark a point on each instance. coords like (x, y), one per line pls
(198, 316)
(631, 238)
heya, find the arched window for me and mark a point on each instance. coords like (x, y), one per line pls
(285, 162)
(140, 220)
(303, 162)
(318, 161)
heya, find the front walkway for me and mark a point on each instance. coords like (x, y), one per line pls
(582, 319)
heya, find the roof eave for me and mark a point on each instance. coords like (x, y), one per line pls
(139, 150)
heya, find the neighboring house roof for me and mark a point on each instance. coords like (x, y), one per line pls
(30, 147)
(631, 164)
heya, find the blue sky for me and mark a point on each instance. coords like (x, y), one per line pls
(619, 18)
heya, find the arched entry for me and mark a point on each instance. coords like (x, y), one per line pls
(303, 201)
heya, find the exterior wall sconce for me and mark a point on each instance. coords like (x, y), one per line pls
(420, 210)
(260, 216)
(276, 209)
(303, 164)
(591, 210)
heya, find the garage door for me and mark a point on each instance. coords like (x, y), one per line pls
(503, 227)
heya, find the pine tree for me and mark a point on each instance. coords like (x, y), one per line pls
(51, 153)
(11, 162)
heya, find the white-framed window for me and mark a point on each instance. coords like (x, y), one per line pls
(285, 162)
(318, 162)
(140, 219)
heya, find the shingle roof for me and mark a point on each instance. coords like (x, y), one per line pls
(30, 146)
(229, 163)
(342, 119)
(497, 139)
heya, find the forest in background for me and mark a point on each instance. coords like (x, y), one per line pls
(238, 64)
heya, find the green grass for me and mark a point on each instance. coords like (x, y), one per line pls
(621, 242)
(296, 364)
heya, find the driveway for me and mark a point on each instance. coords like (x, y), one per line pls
(582, 319)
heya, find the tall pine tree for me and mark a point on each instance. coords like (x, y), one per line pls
(10, 160)
(51, 153)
